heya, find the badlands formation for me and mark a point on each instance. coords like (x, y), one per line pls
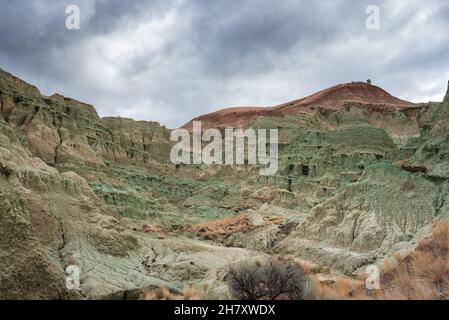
(362, 175)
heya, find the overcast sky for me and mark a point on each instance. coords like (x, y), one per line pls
(169, 61)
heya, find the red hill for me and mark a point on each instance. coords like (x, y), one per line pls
(330, 99)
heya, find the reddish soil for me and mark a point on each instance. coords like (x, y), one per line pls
(329, 99)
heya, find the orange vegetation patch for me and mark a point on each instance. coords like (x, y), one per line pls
(312, 268)
(422, 274)
(344, 289)
(228, 226)
(224, 227)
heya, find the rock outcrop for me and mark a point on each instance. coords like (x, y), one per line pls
(361, 175)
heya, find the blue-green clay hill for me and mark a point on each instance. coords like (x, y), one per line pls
(362, 175)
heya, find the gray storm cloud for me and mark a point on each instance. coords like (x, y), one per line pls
(170, 61)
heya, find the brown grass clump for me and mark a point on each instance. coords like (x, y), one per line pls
(223, 227)
(227, 226)
(344, 289)
(277, 279)
(311, 268)
(422, 274)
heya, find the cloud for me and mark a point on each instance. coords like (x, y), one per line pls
(171, 60)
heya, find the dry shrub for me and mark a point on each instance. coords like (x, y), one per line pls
(277, 279)
(224, 227)
(423, 274)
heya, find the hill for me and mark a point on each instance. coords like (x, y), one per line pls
(362, 176)
(329, 99)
